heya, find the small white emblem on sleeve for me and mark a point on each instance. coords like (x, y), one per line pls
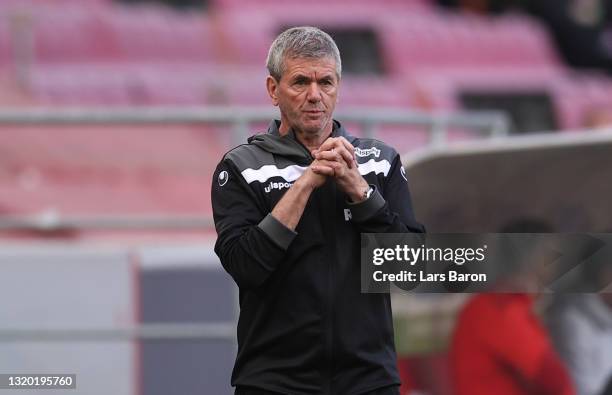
(223, 177)
(403, 173)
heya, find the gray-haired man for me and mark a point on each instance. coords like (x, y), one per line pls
(289, 208)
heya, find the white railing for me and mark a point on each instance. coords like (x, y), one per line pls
(488, 124)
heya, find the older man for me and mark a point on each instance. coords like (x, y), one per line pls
(289, 208)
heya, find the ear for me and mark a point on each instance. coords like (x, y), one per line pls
(272, 86)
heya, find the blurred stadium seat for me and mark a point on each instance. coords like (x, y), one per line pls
(109, 170)
(101, 53)
(113, 34)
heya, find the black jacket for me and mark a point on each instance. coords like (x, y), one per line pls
(304, 326)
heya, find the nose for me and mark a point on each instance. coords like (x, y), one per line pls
(314, 93)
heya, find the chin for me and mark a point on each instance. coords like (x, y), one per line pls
(314, 127)
(310, 128)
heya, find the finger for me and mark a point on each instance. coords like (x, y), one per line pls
(328, 144)
(331, 156)
(340, 143)
(347, 145)
(348, 157)
(323, 170)
(350, 149)
(333, 164)
(337, 155)
(337, 142)
(339, 167)
(323, 162)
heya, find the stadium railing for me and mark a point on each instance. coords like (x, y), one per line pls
(487, 124)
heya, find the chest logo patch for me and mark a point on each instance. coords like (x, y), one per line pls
(223, 177)
(363, 152)
(277, 185)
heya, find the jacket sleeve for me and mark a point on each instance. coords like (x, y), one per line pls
(251, 243)
(388, 211)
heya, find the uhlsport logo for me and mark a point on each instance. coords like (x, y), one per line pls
(223, 177)
(363, 152)
(277, 185)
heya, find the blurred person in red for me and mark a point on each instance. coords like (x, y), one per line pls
(499, 345)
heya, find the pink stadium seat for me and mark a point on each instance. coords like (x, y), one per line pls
(375, 92)
(411, 39)
(261, 24)
(248, 40)
(157, 33)
(573, 95)
(125, 83)
(444, 40)
(70, 34)
(79, 85)
(242, 87)
(440, 89)
(101, 53)
(20, 4)
(106, 170)
(82, 33)
(271, 4)
(6, 47)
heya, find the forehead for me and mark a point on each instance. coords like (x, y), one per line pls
(309, 66)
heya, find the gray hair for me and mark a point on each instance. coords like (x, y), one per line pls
(301, 42)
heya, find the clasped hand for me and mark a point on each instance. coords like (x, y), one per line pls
(336, 158)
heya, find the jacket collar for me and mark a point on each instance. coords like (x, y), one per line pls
(288, 145)
(337, 130)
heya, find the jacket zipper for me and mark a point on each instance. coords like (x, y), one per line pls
(331, 292)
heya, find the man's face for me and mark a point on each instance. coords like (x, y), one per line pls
(306, 94)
